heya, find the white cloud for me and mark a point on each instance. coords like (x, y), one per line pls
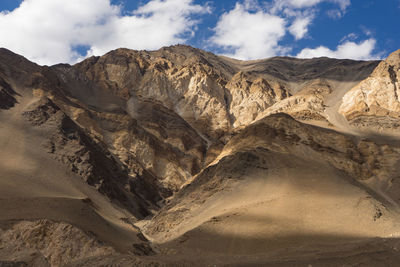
(279, 5)
(303, 3)
(338, 13)
(299, 27)
(343, 4)
(251, 4)
(290, 6)
(366, 30)
(299, 4)
(361, 51)
(46, 31)
(250, 31)
(349, 37)
(334, 13)
(250, 35)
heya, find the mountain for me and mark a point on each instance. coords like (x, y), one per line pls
(181, 157)
(375, 101)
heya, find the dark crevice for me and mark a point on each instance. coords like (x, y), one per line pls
(393, 78)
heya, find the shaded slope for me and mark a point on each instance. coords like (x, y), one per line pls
(52, 173)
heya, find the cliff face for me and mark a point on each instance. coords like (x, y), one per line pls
(205, 96)
(375, 100)
(188, 141)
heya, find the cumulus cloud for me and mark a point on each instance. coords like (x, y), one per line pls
(299, 27)
(349, 49)
(251, 31)
(48, 31)
(299, 14)
(248, 34)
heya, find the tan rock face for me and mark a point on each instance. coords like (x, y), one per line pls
(159, 112)
(251, 96)
(180, 85)
(378, 95)
(57, 242)
(307, 104)
(187, 85)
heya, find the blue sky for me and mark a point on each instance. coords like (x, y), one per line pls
(54, 31)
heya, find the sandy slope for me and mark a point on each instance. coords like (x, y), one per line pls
(34, 185)
(301, 211)
(22, 160)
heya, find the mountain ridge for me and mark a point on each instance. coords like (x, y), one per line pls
(162, 147)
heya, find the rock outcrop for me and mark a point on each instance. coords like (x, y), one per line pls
(92, 161)
(375, 101)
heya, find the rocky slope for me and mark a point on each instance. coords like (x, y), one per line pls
(178, 155)
(375, 101)
(282, 179)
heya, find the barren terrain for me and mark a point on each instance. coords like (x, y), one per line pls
(180, 157)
